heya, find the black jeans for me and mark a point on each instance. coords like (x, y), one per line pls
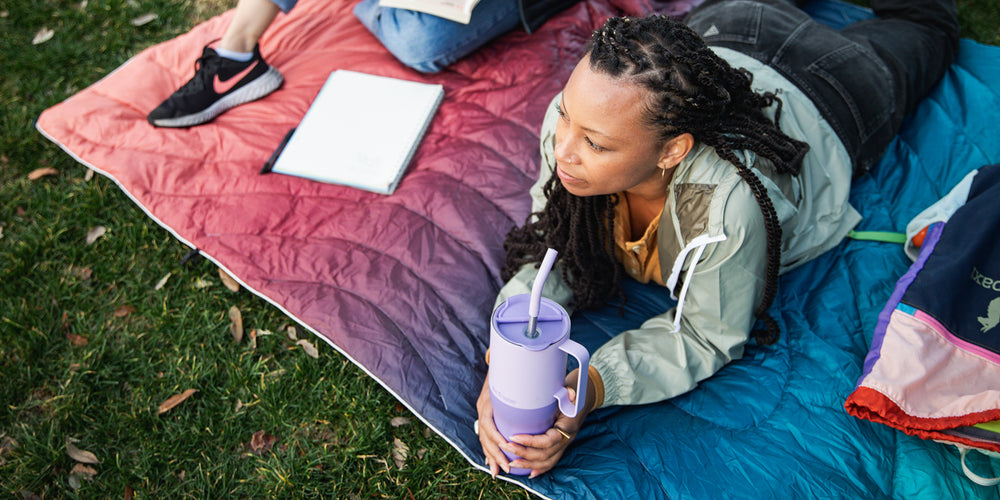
(864, 79)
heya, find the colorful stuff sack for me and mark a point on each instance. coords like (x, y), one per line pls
(933, 369)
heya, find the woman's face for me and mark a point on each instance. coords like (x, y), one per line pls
(603, 145)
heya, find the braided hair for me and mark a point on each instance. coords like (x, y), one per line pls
(690, 90)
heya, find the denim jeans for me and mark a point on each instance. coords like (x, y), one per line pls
(864, 78)
(429, 43)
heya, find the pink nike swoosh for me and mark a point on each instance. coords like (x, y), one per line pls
(221, 87)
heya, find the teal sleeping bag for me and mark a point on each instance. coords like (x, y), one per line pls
(773, 425)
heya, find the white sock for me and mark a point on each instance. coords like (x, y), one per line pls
(235, 56)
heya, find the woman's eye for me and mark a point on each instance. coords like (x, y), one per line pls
(593, 146)
(562, 114)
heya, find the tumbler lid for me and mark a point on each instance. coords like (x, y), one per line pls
(510, 320)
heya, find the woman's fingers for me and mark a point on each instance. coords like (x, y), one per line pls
(489, 437)
(491, 440)
(540, 452)
(531, 444)
(494, 454)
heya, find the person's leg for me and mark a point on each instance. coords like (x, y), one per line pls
(917, 38)
(860, 81)
(234, 74)
(251, 19)
(711, 3)
(779, 34)
(429, 43)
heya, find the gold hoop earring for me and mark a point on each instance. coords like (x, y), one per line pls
(663, 173)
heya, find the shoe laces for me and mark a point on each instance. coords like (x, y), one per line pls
(204, 68)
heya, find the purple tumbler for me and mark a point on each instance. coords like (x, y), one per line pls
(529, 342)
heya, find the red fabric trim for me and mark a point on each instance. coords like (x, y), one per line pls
(869, 404)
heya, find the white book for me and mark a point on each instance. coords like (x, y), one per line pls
(456, 10)
(360, 131)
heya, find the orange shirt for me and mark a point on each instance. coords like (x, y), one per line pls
(640, 258)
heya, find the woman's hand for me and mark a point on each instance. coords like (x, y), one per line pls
(540, 452)
(489, 437)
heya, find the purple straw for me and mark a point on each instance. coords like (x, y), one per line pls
(536, 292)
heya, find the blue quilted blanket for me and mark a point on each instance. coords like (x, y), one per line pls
(773, 424)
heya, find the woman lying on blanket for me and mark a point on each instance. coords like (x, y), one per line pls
(709, 171)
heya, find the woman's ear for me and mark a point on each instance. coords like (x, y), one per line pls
(675, 150)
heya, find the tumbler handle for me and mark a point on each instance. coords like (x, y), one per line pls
(562, 395)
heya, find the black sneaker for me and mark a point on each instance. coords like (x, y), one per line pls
(217, 85)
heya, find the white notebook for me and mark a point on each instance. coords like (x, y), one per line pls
(360, 131)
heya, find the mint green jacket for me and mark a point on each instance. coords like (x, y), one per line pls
(712, 249)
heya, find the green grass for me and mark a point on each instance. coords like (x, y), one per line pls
(73, 369)
(980, 20)
(331, 422)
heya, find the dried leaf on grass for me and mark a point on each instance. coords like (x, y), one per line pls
(95, 233)
(228, 280)
(84, 471)
(260, 442)
(308, 348)
(398, 421)
(321, 434)
(43, 35)
(201, 283)
(292, 333)
(236, 323)
(144, 19)
(399, 452)
(82, 456)
(89, 175)
(123, 311)
(175, 400)
(79, 472)
(38, 173)
(7, 444)
(77, 340)
(163, 281)
(83, 273)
